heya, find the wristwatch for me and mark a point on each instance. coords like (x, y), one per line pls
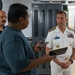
(71, 61)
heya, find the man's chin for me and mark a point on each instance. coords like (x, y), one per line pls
(60, 24)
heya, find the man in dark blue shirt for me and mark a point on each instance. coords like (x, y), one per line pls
(17, 56)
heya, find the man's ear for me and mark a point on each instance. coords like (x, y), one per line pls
(21, 20)
(66, 19)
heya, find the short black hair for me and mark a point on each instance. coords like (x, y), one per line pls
(16, 11)
(62, 12)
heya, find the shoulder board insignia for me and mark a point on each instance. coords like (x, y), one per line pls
(70, 28)
(52, 29)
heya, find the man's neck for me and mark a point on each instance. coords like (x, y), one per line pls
(16, 26)
(1, 28)
(62, 28)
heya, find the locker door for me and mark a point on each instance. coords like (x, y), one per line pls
(50, 17)
(43, 17)
(35, 23)
(0, 4)
(38, 30)
(35, 28)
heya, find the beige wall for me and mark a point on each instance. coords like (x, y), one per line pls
(6, 3)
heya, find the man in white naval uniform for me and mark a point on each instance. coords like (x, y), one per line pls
(60, 37)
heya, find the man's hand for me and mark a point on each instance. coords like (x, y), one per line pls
(63, 65)
(66, 65)
(38, 48)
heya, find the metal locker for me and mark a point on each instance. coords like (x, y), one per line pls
(43, 19)
(0, 4)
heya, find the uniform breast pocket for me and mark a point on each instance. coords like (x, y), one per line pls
(56, 43)
(70, 41)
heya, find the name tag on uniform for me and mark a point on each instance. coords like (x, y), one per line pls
(57, 37)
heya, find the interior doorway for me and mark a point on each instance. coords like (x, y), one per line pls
(71, 22)
(71, 16)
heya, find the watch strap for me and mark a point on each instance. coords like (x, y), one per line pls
(71, 61)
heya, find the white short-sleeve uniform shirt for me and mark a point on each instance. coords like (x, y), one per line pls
(57, 39)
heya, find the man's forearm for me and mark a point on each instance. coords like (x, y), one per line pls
(73, 54)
